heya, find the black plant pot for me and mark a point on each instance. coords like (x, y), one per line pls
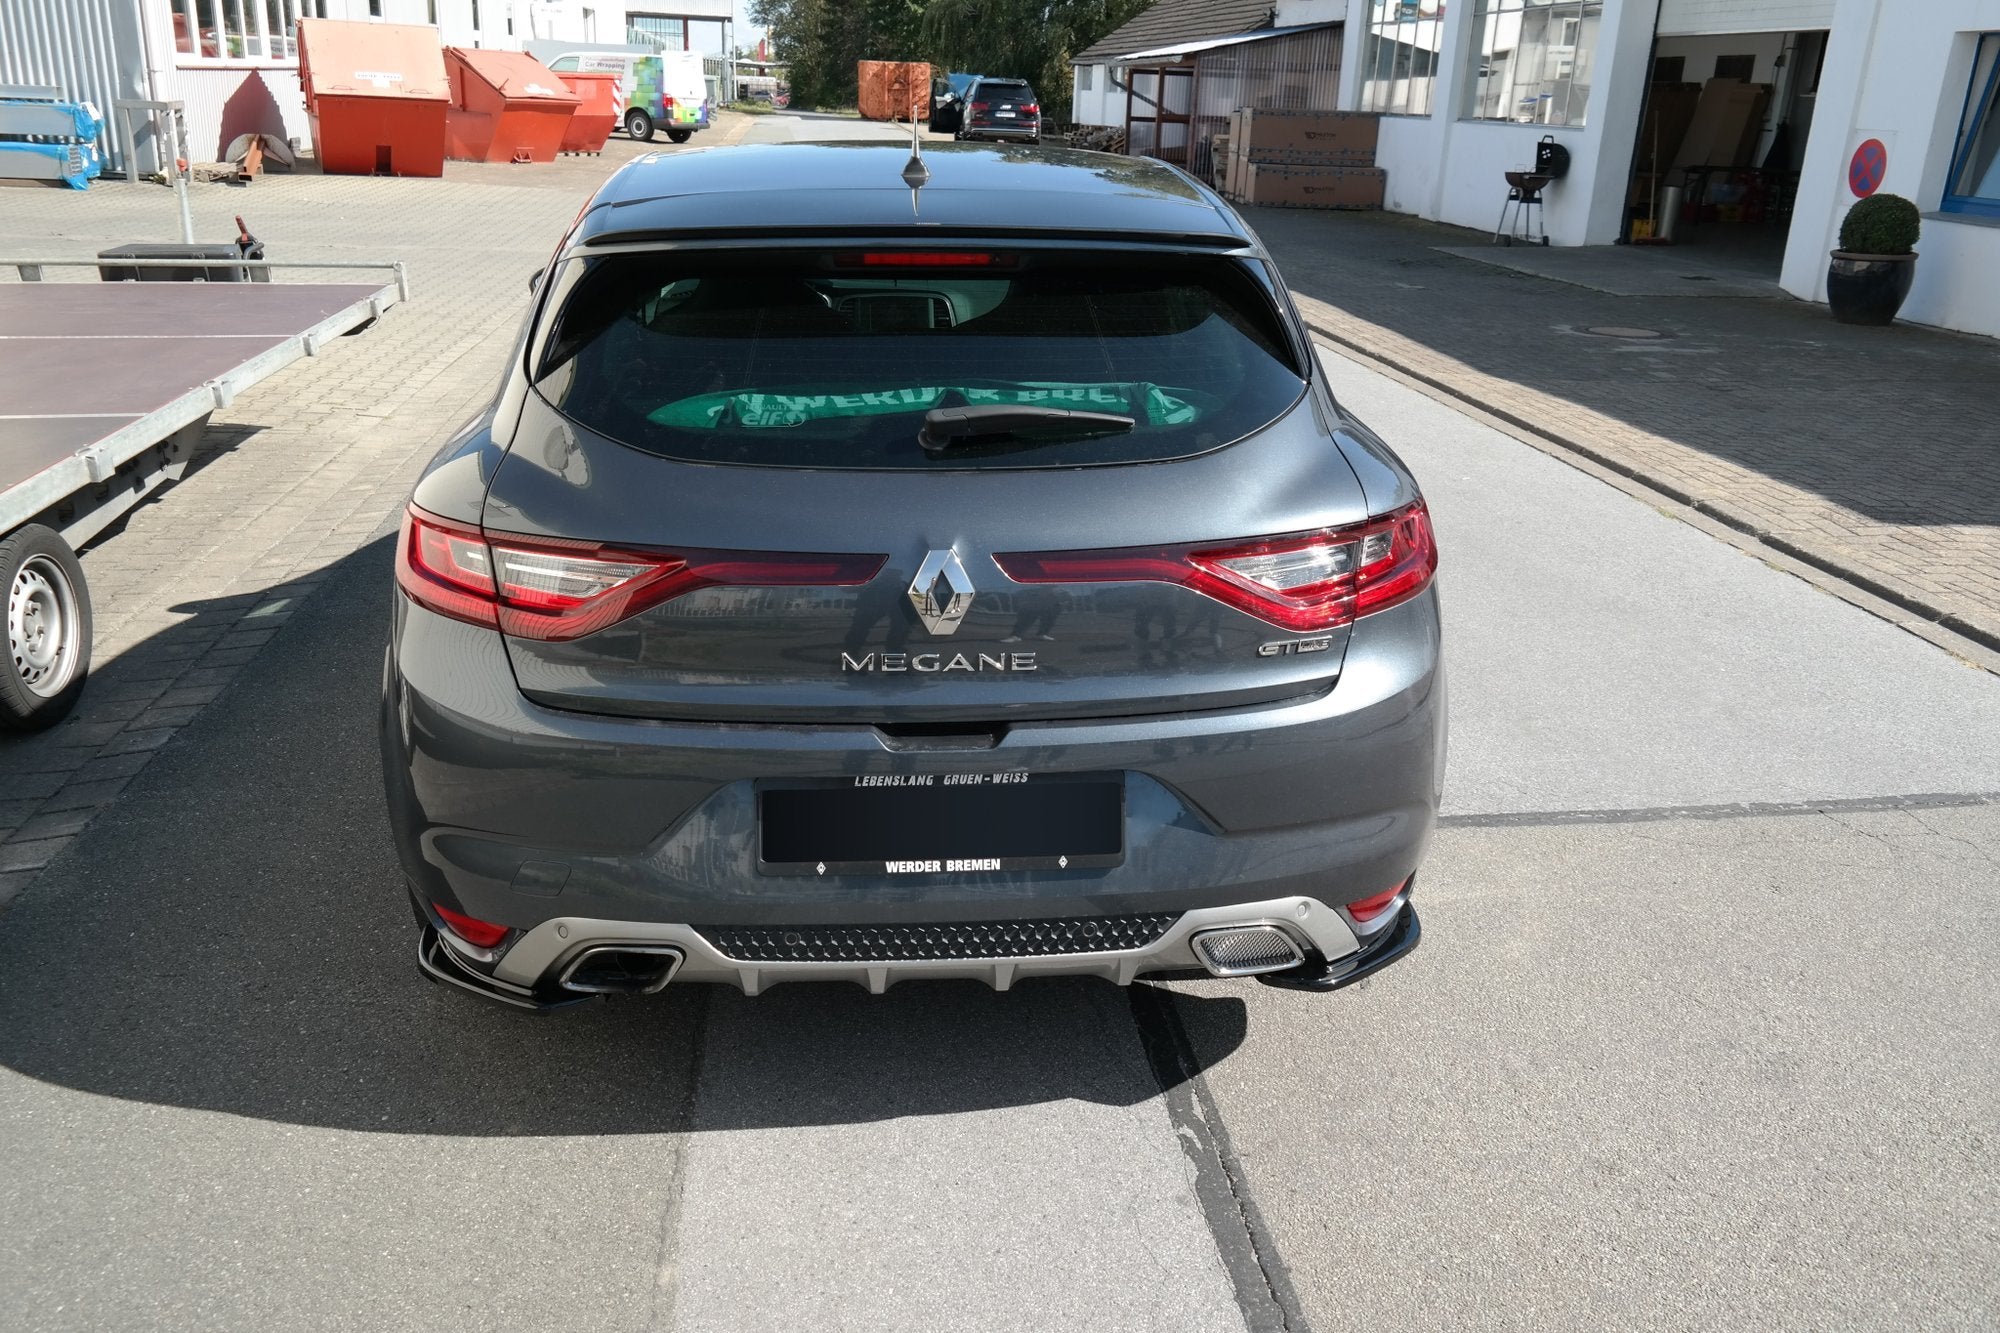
(1868, 289)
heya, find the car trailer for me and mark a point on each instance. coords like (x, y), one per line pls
(104, 391)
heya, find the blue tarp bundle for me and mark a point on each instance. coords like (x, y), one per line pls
(44, 127)
(83, 122)
(77, 164)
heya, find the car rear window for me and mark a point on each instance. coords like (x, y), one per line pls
(831, 360)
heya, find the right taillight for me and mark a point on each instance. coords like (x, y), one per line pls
(1304, 582)
(553, 588)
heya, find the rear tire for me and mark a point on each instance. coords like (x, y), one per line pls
(680, 136)
(639, 125)
(47, 610)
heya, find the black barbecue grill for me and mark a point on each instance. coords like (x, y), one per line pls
(1521, 215)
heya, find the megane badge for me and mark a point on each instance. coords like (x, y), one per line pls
(941, 592)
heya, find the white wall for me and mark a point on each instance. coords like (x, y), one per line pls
(1453, 170)
(1898, 72)
(1292, 13)
(1103, 103)
(1678, 17)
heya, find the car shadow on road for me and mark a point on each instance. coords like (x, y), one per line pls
(232, 935)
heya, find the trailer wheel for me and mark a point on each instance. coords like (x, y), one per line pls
(48, 629)
(639, 125)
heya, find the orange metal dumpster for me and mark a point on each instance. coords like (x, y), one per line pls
(376, 95)
(506, 106)
(894, 90)
(597, 115)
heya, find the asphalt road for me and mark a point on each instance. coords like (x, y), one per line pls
(815, 127)
(1701, 1033)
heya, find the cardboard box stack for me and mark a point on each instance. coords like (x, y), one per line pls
(1300, 159)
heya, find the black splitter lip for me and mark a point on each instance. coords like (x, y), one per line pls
(1319, 976)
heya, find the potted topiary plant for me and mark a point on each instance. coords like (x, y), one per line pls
(1876, 262)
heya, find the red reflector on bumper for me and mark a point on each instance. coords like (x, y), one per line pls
(1367, 909)
(479, 934)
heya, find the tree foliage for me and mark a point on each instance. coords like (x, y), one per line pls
(823, 40)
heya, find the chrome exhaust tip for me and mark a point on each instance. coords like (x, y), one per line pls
(621, 969)
(1245, 951)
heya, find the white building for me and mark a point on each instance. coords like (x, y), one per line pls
(1467, 88)
(234, 64)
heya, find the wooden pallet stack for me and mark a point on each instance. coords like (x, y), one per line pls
(1301, 159)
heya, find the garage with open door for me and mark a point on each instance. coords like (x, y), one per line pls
(1722, 137)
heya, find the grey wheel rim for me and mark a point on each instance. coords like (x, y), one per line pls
(44, 633)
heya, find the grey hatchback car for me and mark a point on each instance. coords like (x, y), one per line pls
(874, 571)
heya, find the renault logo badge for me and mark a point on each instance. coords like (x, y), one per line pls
(941, 592)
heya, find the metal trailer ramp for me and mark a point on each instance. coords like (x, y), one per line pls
(104, 391)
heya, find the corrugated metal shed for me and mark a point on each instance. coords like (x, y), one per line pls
(1294, 70)
(1171, 21)
(90, 49)
(1167, 53)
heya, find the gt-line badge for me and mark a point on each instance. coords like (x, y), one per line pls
(1293, 647)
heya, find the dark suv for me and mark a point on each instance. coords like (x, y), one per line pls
(1001, 110)
(847, 585)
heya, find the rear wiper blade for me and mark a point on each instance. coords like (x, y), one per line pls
(946, 426)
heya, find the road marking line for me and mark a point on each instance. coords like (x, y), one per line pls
(1734, 810)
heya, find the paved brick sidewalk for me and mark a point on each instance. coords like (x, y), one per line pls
(1871, 453)
(300, 472)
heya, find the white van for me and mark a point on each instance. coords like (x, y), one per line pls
(663, 92)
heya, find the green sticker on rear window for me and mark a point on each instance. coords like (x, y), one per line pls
(1151, 404)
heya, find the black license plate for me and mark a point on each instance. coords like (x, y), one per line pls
(940, 824)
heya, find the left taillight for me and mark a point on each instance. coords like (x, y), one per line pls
(447, 568)
(1303, 582)
(555, 589)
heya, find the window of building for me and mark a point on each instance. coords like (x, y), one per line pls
(668, 34)
(1084, 75)
(1974, 184)
(259, 31)
(1399, 56)
(374, 9)
(1735, 67)
(1531, 60)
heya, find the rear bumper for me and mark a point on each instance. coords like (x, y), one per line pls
(1001, 133)
(529, 974)
(528, 816)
